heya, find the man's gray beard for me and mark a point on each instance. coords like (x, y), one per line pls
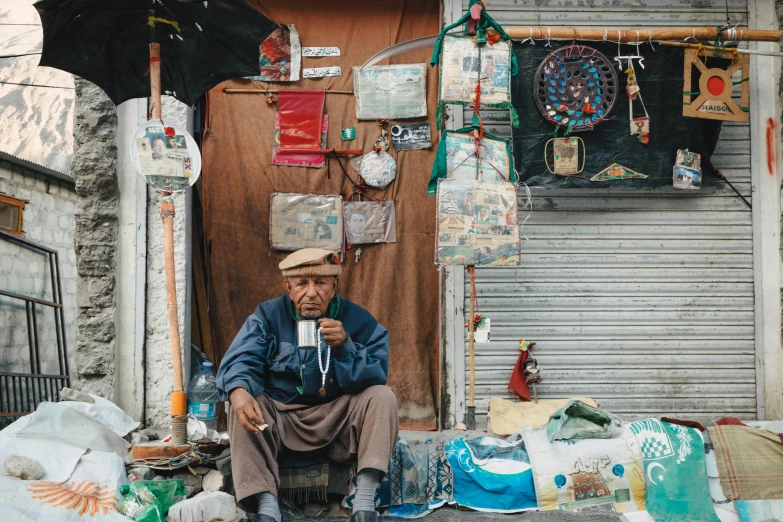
(310, 315)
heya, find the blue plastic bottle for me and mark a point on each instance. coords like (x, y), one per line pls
(203, 395)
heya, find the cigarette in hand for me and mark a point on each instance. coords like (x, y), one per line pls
(260, 427)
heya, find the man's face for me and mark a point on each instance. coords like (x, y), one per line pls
(159, 147)
(356, 224)
(311, 295)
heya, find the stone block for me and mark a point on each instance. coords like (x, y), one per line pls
(24, 468)
(213, 481)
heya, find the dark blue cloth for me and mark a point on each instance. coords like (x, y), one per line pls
(264, 358)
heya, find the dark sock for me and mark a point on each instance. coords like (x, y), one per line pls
(267, 505)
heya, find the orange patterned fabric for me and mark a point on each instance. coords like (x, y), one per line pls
(83, 497)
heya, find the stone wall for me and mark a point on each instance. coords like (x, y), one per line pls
(47, 219)
(95, 170)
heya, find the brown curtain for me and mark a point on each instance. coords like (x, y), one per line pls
(397, 283)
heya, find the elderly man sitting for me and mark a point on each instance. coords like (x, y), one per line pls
(305, 402)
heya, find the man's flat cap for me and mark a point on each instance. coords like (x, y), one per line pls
(311, 262)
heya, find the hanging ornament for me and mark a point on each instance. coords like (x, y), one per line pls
(713, 100)
(565, 155)
(615, 172)
(323, 368)
(575, 87)
(639, 126)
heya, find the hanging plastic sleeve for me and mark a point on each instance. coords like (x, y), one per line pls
(435, 59)
(514, 117)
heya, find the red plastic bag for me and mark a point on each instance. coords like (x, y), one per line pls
(301, 118)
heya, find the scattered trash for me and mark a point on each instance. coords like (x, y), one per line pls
(204, 506)
(24, 468)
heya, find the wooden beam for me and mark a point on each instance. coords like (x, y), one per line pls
(642, 35)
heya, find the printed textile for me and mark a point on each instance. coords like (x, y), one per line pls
(477, 223)
(724, 507)
(419, 480)
(492, 474)
(675, 471)
(589, 474)
(750, 462)
(760, 510)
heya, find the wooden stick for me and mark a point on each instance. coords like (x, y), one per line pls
(155, 80)
(727, 50)
(535, 393)
(271, 91)
(342, 152)
(171, 296)
(642, 35)
(472, 401)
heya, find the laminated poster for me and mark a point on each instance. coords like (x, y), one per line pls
(368, 222)
(167, 156)
(461, 158)
(460, 62)
(477, 223)
(390, 91)
(306, 220)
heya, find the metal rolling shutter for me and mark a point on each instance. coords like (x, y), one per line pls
(642, 300)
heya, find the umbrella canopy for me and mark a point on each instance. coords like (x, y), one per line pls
(203, 42)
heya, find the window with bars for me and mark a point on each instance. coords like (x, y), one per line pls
(11, 210)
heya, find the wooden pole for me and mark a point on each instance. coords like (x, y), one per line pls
(155, 80)
(725, 49)
(642, 35)
(342, 152)
(471, 417)
(178, 397)
(472, 402)
(272, 91)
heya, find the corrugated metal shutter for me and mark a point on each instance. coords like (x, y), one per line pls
(642, 300)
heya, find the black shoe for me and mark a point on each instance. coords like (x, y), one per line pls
(364, 516)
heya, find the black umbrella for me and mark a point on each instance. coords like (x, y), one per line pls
(203, 42)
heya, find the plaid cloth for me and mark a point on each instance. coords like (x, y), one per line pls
(750, 462)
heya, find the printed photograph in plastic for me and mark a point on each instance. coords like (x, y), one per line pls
(368, 222)
(461, 158)
(460, 62)
(477, 223)
(306, 220)
(167, 156)
(390, 91)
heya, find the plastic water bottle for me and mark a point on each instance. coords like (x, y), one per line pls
(203, 395)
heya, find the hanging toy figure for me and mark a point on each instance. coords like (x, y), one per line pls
(640, 127)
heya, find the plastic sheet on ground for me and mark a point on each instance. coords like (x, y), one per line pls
(593, 474)
(492, 474)
(62, 422)
(107, 413)
(90, 493)
(57, 457)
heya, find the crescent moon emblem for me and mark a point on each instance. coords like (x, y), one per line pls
(650, 468)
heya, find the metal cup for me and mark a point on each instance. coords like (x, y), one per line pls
(307, 334)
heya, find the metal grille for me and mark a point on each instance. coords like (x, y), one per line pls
(643, 299)
(20, 393)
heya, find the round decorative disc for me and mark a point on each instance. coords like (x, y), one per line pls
(165, 155)
(575, 87)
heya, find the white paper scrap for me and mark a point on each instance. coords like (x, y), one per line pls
(321, 72)
(316, 52)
